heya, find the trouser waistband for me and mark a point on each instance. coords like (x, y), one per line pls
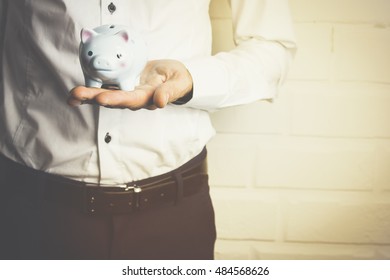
(96, 199)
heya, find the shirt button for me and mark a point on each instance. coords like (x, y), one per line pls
(107, 138)
(111, 8)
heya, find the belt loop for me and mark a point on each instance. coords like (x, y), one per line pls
(179, 186)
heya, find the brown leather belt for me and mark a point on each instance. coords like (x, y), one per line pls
(96, 199)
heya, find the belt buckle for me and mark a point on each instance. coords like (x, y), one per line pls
(111, 199)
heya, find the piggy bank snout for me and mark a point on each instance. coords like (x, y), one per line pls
(101, 63)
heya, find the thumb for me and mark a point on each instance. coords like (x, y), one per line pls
(164, 94)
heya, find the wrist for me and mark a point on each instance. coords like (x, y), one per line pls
(184, 99)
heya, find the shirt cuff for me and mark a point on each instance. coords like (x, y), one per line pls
(209, 85)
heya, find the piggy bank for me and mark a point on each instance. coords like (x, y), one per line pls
(111, 55)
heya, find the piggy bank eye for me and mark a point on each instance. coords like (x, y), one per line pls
(90, 53)
(119, 55)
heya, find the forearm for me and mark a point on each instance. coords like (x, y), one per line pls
(250, 72)
(264, 38)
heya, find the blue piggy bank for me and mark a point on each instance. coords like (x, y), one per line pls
(111, 55)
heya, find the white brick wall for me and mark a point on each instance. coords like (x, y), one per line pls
(308, 176)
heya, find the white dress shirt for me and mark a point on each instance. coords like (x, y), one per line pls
(40, 64)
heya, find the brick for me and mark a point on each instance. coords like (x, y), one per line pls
(315, 251)
(257, 118)
(382, 166)
(329, 164)
(220, 9)
(357, 11)
(221, 22)
(258, 250)
(362, 53)
(245, 214)
(222, 35)
(230, 160)
(313, 58)
(342, 219)
(340, 109)
(232, 250)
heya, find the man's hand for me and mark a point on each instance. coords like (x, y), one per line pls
(161, 82)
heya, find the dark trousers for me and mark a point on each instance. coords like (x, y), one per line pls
(33, 227)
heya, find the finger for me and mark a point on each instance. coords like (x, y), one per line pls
(151, 107)
(152, 75)
(169, 91)
(81, 95)
(140, 97)
(162, 95)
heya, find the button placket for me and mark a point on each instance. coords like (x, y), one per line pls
(109, 126)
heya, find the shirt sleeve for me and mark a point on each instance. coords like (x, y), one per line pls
(253, 70)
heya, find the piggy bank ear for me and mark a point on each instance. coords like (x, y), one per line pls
(123, 34)
(87, 34)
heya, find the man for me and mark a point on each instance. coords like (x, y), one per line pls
(122, 175)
